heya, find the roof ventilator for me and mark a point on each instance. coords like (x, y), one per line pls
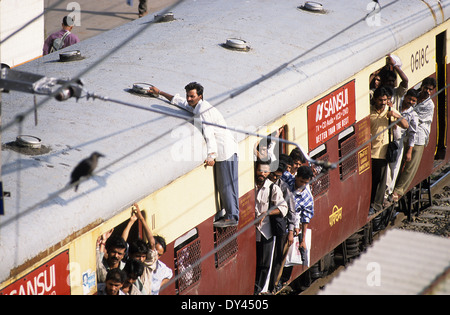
(312, 6)
(72, 55)
(236, 44)
(167, 17)
(141, 89)
(29, 141)
(28, 145)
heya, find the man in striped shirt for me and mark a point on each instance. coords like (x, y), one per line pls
(304, 200)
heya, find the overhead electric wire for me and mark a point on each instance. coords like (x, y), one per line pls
(121, 45)
(243, 229)
(286, 64)
(104, 98)
(232, 95)
(19, 118)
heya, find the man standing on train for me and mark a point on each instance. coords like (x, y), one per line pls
(269, 202)
(380, 113)
(221, 148)
(425, 112)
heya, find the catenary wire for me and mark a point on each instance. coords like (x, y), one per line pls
(19, 118)
(232, 95)
(243, 229)
(74, 80)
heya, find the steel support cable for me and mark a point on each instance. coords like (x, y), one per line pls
(229, 239)
(243, 229)
(232, 95)
(104, 98)
(286, 64)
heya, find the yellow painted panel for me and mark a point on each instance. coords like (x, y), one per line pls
(82, 255)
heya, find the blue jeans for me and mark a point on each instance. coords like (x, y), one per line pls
(227, 184)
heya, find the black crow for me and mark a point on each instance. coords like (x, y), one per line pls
(84, 168)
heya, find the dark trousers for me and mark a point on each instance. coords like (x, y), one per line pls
(226, 173)
(263, 261)
(142, 8)
(379, 168)
(278, 258)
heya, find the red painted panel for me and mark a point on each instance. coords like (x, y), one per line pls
(237, 274)
(51, 278)
(331, 114)
(344, 208)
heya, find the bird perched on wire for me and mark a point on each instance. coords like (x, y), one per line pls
(84, 168)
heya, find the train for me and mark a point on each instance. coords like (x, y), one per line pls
(302, 68)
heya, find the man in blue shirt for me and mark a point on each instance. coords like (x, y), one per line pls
(304, 200)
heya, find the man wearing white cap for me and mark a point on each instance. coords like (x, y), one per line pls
(62, 38)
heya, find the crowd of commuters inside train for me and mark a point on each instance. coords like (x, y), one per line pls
(400, 120)
(397, 114)
(284, 206)
(131, 268)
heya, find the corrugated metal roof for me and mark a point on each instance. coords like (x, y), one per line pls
(400, 262)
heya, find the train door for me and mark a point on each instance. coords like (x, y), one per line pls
(441, 80)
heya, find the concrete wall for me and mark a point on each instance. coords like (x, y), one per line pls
(27, 43)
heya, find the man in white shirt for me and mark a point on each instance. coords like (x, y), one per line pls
(267, 195)
(221, 148)
(425, 112)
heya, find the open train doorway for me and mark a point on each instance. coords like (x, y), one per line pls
(441, 80)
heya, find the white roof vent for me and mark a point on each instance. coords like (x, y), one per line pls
(29, 141)
(312, 6)
(28, 145)
(141, 89)
(236, 44)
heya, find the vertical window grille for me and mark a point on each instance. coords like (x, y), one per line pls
(228, 251)
(321, 182)
(347, 144)
(187, 254)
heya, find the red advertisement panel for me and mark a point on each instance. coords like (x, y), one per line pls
(331, 114)
(52, 278)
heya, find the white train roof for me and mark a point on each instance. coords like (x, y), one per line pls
(320, 49)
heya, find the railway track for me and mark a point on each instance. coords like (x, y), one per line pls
(432, 219)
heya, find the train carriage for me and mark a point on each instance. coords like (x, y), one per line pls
(303, 67)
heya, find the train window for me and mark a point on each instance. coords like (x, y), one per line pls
(347, 144)
(228, 251)
(281, 133)
(187, 254)
(320, 183)
(128, 231)
(134, 232)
